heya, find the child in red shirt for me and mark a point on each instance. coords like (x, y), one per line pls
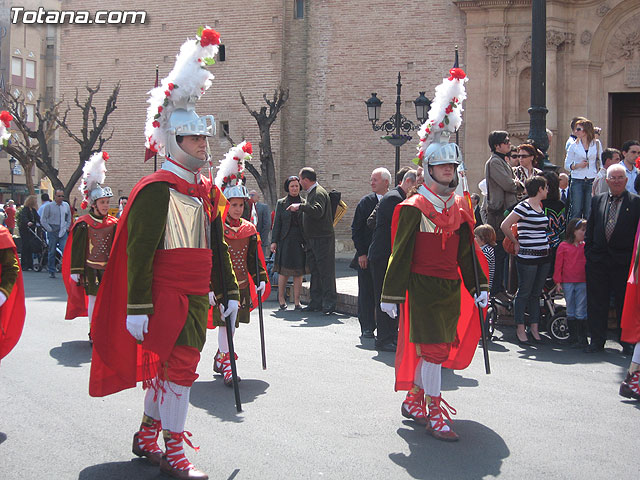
(570, 277)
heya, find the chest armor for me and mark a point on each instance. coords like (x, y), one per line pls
(99, 246)
(187, 223)
(238, 249)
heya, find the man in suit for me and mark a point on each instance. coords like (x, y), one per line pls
(609, 243)
(317, 226)
(263, 212)
(361, 235)
(563, 180)
(378, 256)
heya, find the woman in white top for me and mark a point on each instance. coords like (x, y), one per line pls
(583, 157)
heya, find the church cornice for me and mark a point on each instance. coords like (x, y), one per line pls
(472, 4)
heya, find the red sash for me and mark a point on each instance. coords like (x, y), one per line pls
(468, 330)
(76, 296)
(13, 312)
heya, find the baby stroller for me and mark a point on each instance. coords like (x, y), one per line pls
(41, 257)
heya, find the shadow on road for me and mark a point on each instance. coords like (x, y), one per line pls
(218, 400)
(137, 468)
(452, 381)
(72, 354)
(478, 454)
(3, 437)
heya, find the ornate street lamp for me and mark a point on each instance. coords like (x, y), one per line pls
(12, 165)
(398, 126)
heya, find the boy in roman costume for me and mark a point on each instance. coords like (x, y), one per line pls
(91, 236)
(12, 308)
(432, 235)
(158, 283)
(243, 240)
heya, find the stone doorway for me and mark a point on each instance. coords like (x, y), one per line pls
(624, 118)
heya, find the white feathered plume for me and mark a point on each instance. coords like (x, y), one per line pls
(231, 167)
(445, 114)
(5, 123)
(93, 174)
(186, 83)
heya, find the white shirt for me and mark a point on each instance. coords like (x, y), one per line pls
(576, 154)
(631, 177)
(312, 187)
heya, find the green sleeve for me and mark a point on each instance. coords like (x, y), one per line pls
(80, 237)
(146, 224)
(251, 262)
(222, 272)
(315, 205)
(465, 261)
(396, 281)
(10, 269)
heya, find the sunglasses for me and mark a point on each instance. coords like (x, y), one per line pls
(579, 129)
(521, 156)
(293, 177)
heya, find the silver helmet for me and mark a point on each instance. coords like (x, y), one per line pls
(441, 152)
(185, 122)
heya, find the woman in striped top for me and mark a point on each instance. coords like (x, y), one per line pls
(533, 259)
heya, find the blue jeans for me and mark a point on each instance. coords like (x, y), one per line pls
(580, 191)
(575, 295)
(53, 241)
(531, 280)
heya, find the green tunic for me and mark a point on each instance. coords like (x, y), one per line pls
(10, 269)
(90, 277)
(434, 303)
(146, 225)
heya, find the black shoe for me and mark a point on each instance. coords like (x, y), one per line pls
(387, 347)
(593, 348)
(627, 349)
(311, 308)
(52, 275)
(283, 306)
(367, 334)
(535, 341)
(329, 311)
(298, 307)
(524, 343)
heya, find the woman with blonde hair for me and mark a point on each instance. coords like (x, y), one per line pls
(27, 221)
(583, 156)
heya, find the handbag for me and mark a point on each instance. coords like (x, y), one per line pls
(507, 244)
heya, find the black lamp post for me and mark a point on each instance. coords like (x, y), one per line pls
(12, 165)
(398, 126)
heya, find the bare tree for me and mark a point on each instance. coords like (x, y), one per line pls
(266, 177)
(30, 146)
(91, 138)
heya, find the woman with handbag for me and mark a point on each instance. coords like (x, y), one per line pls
(27, 221)
(583, 156)
(288, 244)
(532, 255)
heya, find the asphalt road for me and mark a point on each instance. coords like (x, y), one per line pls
(325, 408)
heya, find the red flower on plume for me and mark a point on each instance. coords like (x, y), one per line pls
(156, 124)
(6, 118)
(456, 73)
(167, 93)
(428, 131)
(170, 86)
(209, 37)
(160, 109)
(421, 154)
(84, 205)
(449, 109)
(248, 148)
(105, 156)
(441, 124)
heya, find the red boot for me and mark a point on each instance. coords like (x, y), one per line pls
(174, 462)
(217, 363)
(225, 368)
(630, 388)
(413, 406)
(437, 425)
(145, 441)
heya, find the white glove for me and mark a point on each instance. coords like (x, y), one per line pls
(3, 298)
(481, 300)
(232, 309)
(212, 299)
(74, 277)
(138, 325)
(261, 288)
(390, 309)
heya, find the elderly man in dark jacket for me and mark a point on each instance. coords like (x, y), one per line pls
(317, 226)
(379, 252)
(361, 235)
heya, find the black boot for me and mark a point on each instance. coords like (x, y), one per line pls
(573, 331)
(581, 326)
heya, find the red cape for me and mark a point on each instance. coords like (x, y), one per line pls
(13, 312)
(117, 361)
(76, 296)
(630, 323)
(246, 230)
(468, 331)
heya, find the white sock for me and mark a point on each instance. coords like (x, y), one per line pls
(173, 407)
(636, 354)
(417, 379)
(150, 405)
(223, 342)
(90, 304)
(431, 382)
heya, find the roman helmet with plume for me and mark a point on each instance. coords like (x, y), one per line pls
(230, 176)
(171, 111)
(93, 175)
(445, 117)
